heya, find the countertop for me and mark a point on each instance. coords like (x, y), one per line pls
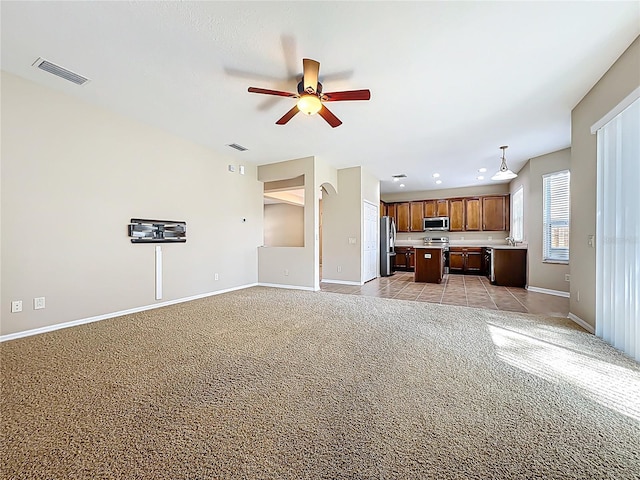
(459, 243)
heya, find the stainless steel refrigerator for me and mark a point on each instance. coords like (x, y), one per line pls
(387, 245)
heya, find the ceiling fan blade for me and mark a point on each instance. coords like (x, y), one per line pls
(310, 70)
(272, 92)
(288, 116)
(329, 117)
(346, 95)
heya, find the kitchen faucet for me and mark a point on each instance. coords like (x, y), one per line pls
(511, 241)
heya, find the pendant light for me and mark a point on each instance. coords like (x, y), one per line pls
(504, 173)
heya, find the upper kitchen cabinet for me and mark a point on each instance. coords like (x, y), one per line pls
(473, 214)
(390, 210)
(489, 213)
(436, 208)
(402, 217)
(456, 215)
(416, 213)
(495, 213)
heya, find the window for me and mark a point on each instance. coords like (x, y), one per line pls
(555, 241)
(517, 216)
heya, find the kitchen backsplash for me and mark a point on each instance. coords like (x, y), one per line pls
(469, 238)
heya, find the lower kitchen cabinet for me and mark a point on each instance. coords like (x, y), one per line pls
(465, 260)
(429, 265)
(510, 267)
(404, 259)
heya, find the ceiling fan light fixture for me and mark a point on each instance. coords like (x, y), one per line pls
(309, 104)
(504, 173)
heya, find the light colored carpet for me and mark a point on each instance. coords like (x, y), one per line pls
(266, 383)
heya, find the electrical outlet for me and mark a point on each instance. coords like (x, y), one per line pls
(567, 277)
(38, 303)
(16, 306)
(216, 277)
(286, 272)
(339, 269)
(578, 295)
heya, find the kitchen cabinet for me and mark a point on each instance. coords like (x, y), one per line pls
(510, 267)
(465, 260)
(456, 215)
(390, 209)
(404, 259)
(436, 208)
(495, 213)
(472, 214)
(402, 217)
(429, 265)
(416, 214)
(489, 213)
(383, 209)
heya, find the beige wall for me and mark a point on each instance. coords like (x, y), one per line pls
(539, 274)
(73, 175)
(283, 225)
(343, 218)
(297, 266)
(622, 78)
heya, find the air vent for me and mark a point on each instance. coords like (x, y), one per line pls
(58, 71)
(237, 147)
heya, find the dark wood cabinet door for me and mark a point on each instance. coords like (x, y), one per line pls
(495, 213)
(456, 215)
(473, 214)
(391, 211)
(400, 260)
(510, 267)
(456, 261)
(402, 217)
(429, 207)
(383, 209)
(473, 263)
(416, 212)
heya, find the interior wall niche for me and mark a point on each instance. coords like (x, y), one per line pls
(284, 213)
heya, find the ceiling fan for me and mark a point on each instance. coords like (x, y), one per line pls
(310, 96)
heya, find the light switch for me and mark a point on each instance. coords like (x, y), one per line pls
(352, 240)
(591, 240)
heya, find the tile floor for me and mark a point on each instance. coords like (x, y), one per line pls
(465, 290)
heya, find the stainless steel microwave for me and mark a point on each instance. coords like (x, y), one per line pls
(436, 223)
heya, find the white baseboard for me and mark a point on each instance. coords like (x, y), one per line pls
(290, 287)
(557, 293)
(342, 282)
(581, 322)
(82, 321)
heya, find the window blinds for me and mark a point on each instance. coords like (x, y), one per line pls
(555, 241)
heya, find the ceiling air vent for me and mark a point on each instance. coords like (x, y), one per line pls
(58, 71)
(237, 147)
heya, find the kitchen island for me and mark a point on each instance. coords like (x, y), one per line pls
(429, 263)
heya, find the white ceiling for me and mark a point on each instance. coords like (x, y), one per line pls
(450, 81)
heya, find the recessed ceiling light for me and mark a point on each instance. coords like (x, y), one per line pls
(402, 185)
(435, 175)
(480, 177)
(482, 170)
(438, 182)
